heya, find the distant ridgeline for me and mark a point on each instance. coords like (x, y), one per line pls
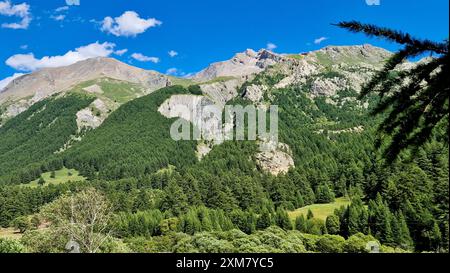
(156, 183)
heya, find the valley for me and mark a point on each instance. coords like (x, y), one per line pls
(102, 134)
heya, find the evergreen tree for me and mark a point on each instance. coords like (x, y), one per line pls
(175, 200)
(333, 225)
(41, 181)
(404, 237)
(415, 109)
(310, 215)
(301, 224)
(324, 194)
(436, 237)
(264, 220)
(445, 237)
(282, 219)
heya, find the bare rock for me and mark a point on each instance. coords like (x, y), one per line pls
(275, 162)
(223, 91)
(242, 64)
(255, 93)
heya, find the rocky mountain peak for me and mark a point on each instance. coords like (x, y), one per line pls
(48, 81)
(242, 64)
(354, 54)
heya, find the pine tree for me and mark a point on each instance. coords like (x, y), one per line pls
(41, 181)
(310, 215)
(332, 224)
(414, 109)
(264, 220)
(353, 220)
(299, 201)
(445, 237)
(387, 235)
(324, 194)
(175, 199)
(404, 239)
(300, 224)
(282, 219)
(436, 237)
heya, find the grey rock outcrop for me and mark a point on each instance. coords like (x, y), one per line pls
(242, 64)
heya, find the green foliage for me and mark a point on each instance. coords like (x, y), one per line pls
(10, 246)
(134, 141)
(195, 90)
(29, 141)
(324, 195)
(21, 223)
(41, 181)
(310, 215)
(164, 200)
(333, 224)
(282, 219)
(301, 224)
(330, 244)
(264, 220)
(358, 243)
(414, 109)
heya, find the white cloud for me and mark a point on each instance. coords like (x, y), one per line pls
(172, 53)
(172, 71)
(73, 2)
(28, 62)
(128, 24)
(320, 40)
(271, 46)
(143, 58)
(121, 52)
(6, 81)
(60, 17)
(21, 10)
(60, 9)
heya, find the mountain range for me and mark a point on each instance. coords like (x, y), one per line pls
(103, 124)
(109, 84)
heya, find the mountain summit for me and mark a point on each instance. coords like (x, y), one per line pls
(242, 64)
(45, 82)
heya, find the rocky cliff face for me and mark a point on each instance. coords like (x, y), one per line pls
(242, 64)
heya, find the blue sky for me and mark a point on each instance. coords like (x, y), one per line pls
(200, 31)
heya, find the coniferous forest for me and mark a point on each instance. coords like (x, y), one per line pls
(369, 167)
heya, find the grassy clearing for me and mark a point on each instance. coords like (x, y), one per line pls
(10, 233)
(181, 81)
(62, 176)
(219, 80)
(296, 56)
(114, 90)
(320, 211)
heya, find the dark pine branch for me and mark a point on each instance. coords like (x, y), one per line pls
(416, 100)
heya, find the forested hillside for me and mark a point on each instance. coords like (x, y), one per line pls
(157, 196)
(35, 135)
